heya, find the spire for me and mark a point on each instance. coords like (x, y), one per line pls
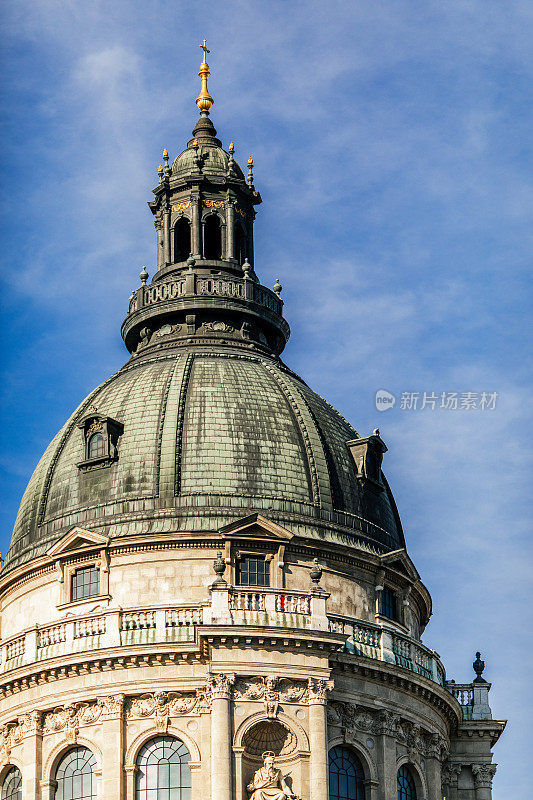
(204, 132)
(204, 101)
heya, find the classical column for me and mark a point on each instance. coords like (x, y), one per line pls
(230, 223)
(195, 225)
(159, 242)
(221, 739)
(166, 234)
(483, 775)
(112, 780)
(386, 752)
(450, 778)
(318, 738)
(433, 766)
(31, 725)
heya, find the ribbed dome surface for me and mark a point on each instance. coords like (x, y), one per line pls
(215, 162)
(209, 437)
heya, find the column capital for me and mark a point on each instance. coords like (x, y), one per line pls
(318, 689)
(483, 775)
(221, 686)
(450, 773)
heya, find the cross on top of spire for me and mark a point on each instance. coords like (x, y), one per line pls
(204, 48)
(204, 101)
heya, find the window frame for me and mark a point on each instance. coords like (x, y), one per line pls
(402, 791)
(356, 762)
(181, 766)
(90, 760)
(74, 586)
(264, 559)
(15, 791)
(393, 595)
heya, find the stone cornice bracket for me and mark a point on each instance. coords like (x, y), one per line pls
(483, 775)
(221, 686)
(318, 689)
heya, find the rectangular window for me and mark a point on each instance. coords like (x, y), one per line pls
(388, 606)
(253, 571)
(85, 583)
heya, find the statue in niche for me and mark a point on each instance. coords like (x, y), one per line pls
(269, 783)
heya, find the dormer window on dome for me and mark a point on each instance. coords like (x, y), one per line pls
(100, 435)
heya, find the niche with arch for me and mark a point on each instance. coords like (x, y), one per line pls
(268, 735)
(182, 239)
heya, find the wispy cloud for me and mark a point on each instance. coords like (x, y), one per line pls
(391, 146)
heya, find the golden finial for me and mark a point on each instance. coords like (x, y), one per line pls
(160, 170)
(204, 101)
(195, 142)
(231, 147)
(165, 153)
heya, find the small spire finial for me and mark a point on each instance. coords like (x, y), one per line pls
(160, 172)
(250, 172)
(278, 287)
(204, 101)
(143, 276)
(231, 148)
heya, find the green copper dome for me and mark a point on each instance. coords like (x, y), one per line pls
(208, 437)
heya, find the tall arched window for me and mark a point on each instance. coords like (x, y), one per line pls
(12, 785)
(182, 239)
(96, 446)
(212, 238)
(75, 775)
(163, 771)
(346, 776)
(406, 784)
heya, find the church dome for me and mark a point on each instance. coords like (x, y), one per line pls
(216, 162)
(207, 437)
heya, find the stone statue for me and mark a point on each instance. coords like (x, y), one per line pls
(268, 782)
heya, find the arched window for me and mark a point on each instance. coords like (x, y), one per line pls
(406, 784)
(163, 770)
(75, 775)
(182, 239)
(346, 776)
(12, 785)
(96, 446)
(240, 243)
(212, 238)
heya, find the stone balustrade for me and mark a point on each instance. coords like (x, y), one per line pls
(238, 606)
(473, 699)
(374, 641)
(192, 284)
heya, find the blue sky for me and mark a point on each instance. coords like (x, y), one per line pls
(391, 150)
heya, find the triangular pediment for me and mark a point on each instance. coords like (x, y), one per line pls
(76, 538)
(400, 561)
(255, 526)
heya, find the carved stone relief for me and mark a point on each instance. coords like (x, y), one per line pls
(272, 691)
(419, 742)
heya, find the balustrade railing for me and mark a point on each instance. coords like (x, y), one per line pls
(191, 284)
(363, 639)
(229, 606)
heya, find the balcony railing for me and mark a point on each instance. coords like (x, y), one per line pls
(191, 284)
(239, 606)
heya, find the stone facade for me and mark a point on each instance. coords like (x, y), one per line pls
(209, 559)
